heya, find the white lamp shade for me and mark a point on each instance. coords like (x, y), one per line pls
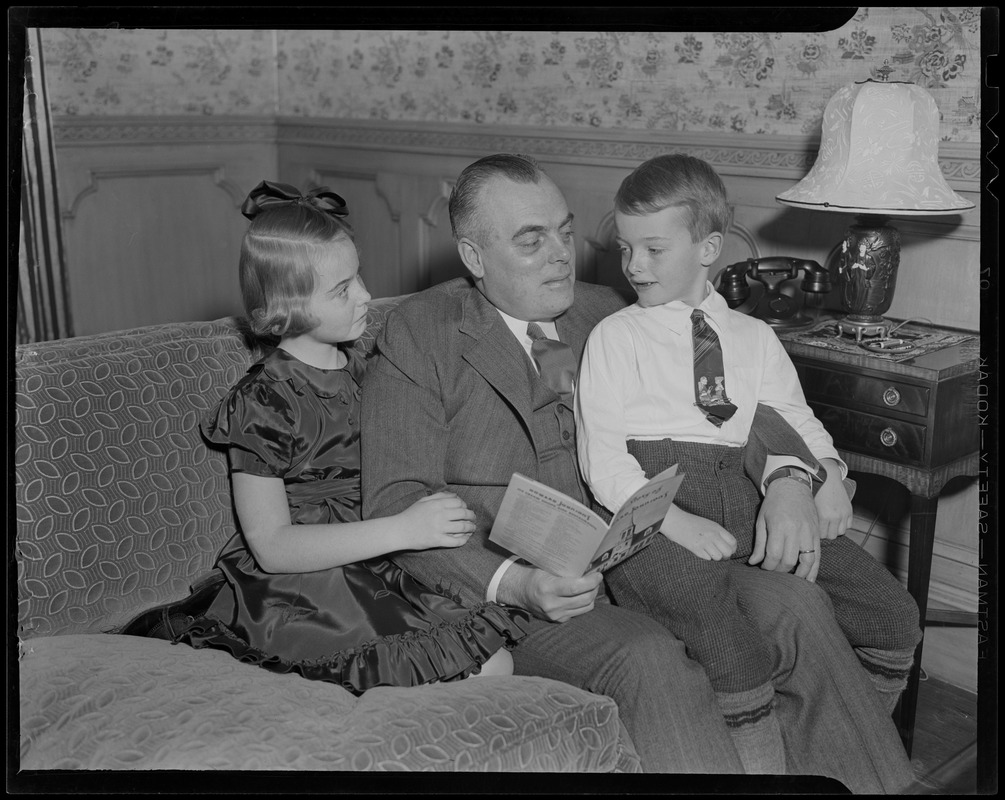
(879, 154)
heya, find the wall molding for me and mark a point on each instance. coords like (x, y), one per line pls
(216, 171)
(121, 130)
(783, 157)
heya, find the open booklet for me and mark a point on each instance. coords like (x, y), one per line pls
(562, 536)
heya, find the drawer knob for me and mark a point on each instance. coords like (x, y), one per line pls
(888, 437)
(891, 396)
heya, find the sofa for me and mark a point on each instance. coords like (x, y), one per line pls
(120, 506)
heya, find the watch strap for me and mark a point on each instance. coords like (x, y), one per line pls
(801, 475)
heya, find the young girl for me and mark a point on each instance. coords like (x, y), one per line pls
(308, 587)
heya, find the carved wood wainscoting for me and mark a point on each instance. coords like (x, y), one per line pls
(151, 214)
(152, 225)
(150, 205)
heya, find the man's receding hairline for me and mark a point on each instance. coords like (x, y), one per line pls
(483, 229)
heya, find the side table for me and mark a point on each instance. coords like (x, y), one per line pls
(914, 421)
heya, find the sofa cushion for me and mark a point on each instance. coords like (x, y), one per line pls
(120, 504)
(127, 703)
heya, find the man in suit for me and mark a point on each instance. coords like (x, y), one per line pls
(454, 401)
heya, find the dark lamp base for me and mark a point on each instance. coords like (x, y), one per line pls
(867, 276)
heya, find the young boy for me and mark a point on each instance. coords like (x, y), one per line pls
(677, 378)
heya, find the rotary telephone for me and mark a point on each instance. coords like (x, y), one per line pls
(779, 309)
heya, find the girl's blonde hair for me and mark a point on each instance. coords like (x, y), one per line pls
(277, 270)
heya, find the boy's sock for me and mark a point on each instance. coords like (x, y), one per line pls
(888, 670)
(754, 727)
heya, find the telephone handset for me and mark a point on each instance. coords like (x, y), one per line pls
(778, 309)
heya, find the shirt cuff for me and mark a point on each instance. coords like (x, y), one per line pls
(490, 593)
(626, 494)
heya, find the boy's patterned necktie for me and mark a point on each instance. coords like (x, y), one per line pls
(709, 375)
(554, 359)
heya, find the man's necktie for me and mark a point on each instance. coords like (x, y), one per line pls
(554, 359)
(709, 376)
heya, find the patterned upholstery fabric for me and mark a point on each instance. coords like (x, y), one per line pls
(120, 702)
(120, 507)
(120, 504)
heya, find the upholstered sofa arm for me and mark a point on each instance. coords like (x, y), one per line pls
(120, 702)
(120, 503)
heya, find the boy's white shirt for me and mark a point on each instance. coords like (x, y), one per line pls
(635, 382)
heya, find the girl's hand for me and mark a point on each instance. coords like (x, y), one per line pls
(439, 520)
(833, 505)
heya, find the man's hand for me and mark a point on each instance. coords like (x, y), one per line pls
(548, 596)
(787, 534)
(833, 504)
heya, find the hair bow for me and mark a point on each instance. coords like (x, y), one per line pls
(269, 194)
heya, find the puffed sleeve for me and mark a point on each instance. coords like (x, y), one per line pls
(255, 423)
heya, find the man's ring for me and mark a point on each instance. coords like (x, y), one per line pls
(804, 552)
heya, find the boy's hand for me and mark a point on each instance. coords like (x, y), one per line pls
(439, 520)
(833, 504)
(787, 533)
(703, 537)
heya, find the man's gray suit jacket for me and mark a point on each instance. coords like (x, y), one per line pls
(452, 402)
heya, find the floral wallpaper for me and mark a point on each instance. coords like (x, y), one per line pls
(758, 83)
(132, 71)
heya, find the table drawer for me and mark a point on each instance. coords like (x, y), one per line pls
(895, 440)
(886, 395)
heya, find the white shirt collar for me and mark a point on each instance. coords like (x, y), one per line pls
(676, 315)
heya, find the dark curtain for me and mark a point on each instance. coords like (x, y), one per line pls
(43, 307)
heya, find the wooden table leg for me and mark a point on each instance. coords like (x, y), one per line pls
(919, 573)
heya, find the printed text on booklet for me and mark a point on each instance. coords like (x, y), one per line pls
(562, 536)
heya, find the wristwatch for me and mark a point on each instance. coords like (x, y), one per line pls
(801, 475)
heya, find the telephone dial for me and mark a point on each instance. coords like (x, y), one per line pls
(779, 309)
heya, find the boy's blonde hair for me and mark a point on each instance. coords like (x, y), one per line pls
(279, 255)
(677, 180)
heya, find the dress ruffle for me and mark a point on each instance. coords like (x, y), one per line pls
(444, 652)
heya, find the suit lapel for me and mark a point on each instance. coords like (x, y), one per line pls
(573, 328)
(496, 354)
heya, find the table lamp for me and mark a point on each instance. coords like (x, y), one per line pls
(879, 157)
